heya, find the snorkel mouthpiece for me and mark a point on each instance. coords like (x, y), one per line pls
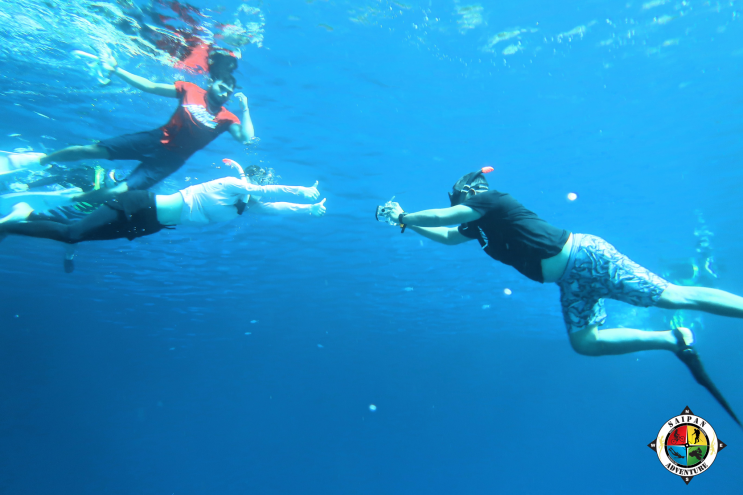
(464, 185)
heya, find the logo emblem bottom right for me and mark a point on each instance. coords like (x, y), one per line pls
(687, 445)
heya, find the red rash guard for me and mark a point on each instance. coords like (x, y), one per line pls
(192, 126)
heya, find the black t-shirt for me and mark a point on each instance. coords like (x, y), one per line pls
(513, 235)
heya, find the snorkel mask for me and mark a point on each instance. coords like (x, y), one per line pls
(255, 174)
(464, 185)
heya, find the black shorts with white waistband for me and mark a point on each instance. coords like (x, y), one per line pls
(137, 217)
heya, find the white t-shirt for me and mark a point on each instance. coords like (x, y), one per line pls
(214, 201)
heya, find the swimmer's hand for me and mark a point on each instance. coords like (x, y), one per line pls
(390, 212)
(243, 101)
(108, 62)
(100, 66)
(318, 209)
(309, 192)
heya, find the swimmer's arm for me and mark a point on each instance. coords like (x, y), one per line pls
(289, 192)
(243, 132)
(146, 85)
(441, 217)
(233, 185)
(280, 208)
(442, 235)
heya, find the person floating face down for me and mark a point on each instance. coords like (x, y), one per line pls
(135, 214)
(585, 267)
(199, 118)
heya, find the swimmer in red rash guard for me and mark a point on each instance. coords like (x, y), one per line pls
(199, 119)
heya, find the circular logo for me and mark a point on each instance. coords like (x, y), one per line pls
(687, 445)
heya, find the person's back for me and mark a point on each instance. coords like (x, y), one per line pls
(214, 201)
(510, 233)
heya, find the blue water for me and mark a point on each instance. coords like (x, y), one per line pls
(244, 358)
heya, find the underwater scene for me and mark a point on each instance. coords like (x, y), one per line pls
(370, 247)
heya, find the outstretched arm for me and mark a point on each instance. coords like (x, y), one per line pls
(440, 217)
(316, 210)
(442, 235)
(432, 218)
(289, 192)
(105, 65)
(430, 223)
(146, 85)
(109, 63)
(275, 191)
(244, 132)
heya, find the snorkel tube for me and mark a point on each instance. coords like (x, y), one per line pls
(233, 163)
(464, 185)
(242, 203)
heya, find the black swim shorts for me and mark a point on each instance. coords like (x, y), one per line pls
(137, 217)
(156, 161)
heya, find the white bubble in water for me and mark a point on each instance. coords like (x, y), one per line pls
(486, 306)
(507, 292)
(372, 407)
(572, 196)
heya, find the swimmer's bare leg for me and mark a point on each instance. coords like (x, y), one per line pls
(612, 341)
(20, 213)
(101, 195)
(77, 153)
(714, 301)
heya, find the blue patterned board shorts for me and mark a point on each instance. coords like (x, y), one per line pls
(596, 270)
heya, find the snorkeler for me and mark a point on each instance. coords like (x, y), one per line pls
(56, 183)
(585, 267)
(199, 119)
(135, 214)
(49, 196)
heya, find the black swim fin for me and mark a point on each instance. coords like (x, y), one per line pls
(69, 265)
(690, 358)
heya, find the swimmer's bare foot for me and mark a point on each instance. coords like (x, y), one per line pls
(20, 213)
(684, 338)
(27, 161)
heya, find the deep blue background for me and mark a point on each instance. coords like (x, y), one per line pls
(135, 374)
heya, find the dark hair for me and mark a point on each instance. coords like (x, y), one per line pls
(221, 61)
(261, 176)
(225, 78)
(456, 196)
(480, 179)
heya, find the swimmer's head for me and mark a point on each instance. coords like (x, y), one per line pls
(261, 176)
(468, 185)
(221, 88)
(221, 62)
